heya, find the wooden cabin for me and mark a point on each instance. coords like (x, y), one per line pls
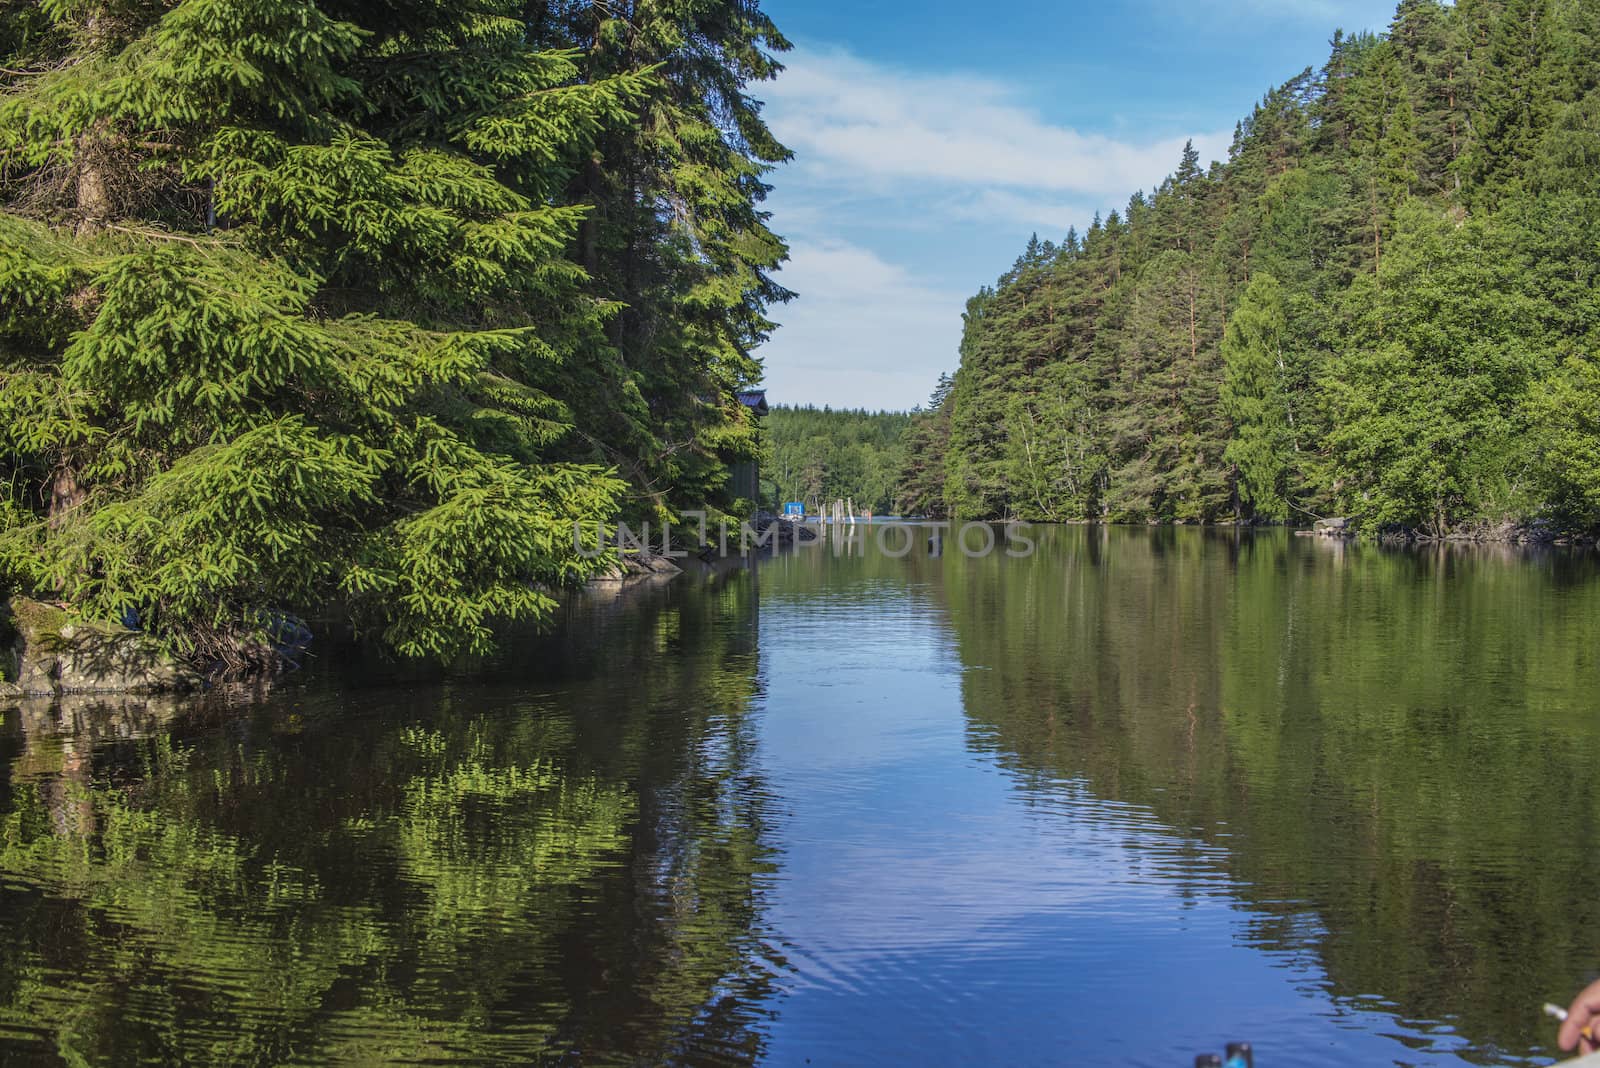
(744, 480)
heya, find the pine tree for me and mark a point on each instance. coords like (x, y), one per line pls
(1434, 391)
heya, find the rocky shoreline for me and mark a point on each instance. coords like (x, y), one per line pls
(1530, 534)
(44, 652)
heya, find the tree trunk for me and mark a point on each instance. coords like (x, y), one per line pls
(94, 210)
(93, 190)
(93, 148)
(65, 493)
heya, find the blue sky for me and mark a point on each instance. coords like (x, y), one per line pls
(932, 138)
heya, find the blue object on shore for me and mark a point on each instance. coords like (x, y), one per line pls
(290, 638)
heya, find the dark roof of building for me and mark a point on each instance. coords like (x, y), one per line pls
(754, 399)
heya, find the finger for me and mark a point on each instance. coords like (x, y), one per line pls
(1571, 1029)
(1583, 1011)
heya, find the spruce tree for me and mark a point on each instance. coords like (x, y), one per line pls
(287, 311)
(679, 238)
(1516, 73)
(919, 490)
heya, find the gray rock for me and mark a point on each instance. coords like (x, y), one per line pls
(788, 533)
(51, 653)
(637, 566)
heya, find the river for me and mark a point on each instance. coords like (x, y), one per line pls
(1119, 801)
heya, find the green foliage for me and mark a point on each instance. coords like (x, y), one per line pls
(1567, 412)
(820, 456)
(300, 305)
(1378, 305)
(1255, 394)
(925, 445)
(679, 238)
(1428, 395)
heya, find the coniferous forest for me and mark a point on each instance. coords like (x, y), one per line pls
(326, 325)
(356, 307)
(820, 455)
(1381, 306)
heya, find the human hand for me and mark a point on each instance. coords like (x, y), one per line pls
(1575, 1030)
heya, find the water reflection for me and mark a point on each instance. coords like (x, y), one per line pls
(1122, 801)
(1393, 749)
(545, 871)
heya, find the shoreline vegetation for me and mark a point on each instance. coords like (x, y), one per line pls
(48, 654)
(824, 455)
(309, 308)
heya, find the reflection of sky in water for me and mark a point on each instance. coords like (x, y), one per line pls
(935, 912)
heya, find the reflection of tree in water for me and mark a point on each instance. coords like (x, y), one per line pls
(564, 871)
(1399, 746)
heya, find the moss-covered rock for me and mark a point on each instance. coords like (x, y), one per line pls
(44, 650)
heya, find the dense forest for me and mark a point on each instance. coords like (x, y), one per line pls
(822, 455)
(315, 305)
(1382, 305)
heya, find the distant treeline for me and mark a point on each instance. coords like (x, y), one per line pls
(820, 455)
(1382, 305)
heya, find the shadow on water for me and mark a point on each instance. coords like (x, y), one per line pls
(562, 864)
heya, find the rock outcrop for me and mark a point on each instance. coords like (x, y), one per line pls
(637, 566)
(44, 651)
(787, 534)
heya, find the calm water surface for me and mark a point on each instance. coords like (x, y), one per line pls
(1123, 801)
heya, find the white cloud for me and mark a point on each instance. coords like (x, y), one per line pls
(864, 333)
(850, 119)
(908, 190)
